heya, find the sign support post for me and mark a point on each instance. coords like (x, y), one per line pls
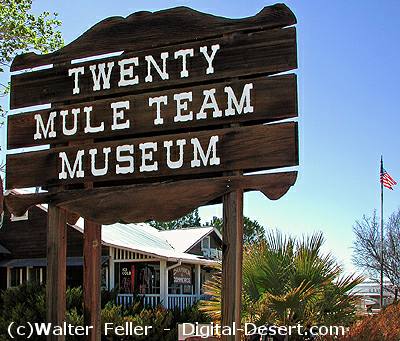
(92, 279)
(56, 267)
(232, 261)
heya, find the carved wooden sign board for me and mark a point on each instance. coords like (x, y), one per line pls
(156, 110)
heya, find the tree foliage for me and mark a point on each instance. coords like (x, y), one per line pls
(190, 220)
(253, 231)
(367, 247)
(22, 31)
(287, 281)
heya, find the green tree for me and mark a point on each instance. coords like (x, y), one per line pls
(190, 220)
(22, 31)
(287, 281)
(253, 231)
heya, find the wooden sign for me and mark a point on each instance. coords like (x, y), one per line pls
(182, 275)
(166, 156)
(266, 99)
(202, 61)
(149, 117)
(169, 107)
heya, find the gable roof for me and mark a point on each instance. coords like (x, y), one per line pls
(4, 250)
(143, 238)
(184, 239)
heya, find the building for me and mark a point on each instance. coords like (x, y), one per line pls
(161, 267)
(368, 293)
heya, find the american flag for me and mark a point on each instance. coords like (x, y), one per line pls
(386, 179)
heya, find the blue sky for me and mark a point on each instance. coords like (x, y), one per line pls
(348, 74)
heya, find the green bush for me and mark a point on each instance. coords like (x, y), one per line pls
(76, 319)
(28, 303)
(74, 300)
(164, 322)
(190, 314)
(21, 304)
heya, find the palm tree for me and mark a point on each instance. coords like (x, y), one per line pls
(287, 281)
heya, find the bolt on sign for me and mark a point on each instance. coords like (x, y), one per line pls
(155, 102)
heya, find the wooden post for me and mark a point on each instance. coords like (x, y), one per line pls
(163, 283)
(56, 267)
(197, 273)
(111, 265)
(232, 261)
(92, 279)
(166, 287)
(8, 277)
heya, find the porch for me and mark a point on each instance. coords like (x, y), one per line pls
(180, 302)
(154, 280)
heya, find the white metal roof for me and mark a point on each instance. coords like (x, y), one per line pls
(143, 238)
(183, 239)
(170, 245)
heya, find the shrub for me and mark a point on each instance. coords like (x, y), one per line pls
(384, 326)
(21, 304)
(289, 281)
(27, 303)
(164, 322)
(74, 299)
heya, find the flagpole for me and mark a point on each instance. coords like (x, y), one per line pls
(381, 292)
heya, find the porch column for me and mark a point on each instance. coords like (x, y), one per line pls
(163, 283)
(112, 269)
(8, 277)
(166, 287)
(28, 277)
(108, 277)
(197, 274)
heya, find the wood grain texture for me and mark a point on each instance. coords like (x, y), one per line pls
(1, 196)
(273, 99)
(245, 148)
(56, 268)
(160, 28)
(244, 54)
(232, 255)
(138, 203)
(92, 279)
(17, 236)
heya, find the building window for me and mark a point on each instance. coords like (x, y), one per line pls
(181, 283)
(74, 276)
(18, 276)
(36, 275)
(206, 275)
(206, 243)
(138, 278)
(104, 277)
